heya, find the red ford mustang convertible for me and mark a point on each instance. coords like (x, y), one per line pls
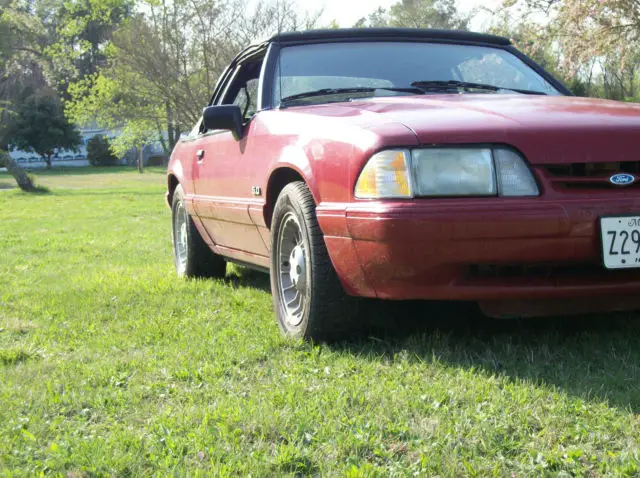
(409, 164)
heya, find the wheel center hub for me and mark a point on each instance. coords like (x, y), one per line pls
(298, 267)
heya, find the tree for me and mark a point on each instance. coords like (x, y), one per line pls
(377, 18)
(99, 152)
(80, 32)
(163, 64)
(418, 14)
(23, 180)
(39, 126)
(598, 29)
(592, 46)
(18, 35)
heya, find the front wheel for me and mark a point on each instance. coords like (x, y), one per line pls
(308, 298)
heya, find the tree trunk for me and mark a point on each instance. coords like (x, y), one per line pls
(47, 159)
(177, 132)
(19, 174)
(170, 129)
(140, 164)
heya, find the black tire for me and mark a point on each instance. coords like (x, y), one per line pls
(327, 312)
(192, 256)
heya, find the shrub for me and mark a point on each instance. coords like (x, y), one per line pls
(99, 152)
(158, 160)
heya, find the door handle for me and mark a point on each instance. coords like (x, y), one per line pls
(200, 154)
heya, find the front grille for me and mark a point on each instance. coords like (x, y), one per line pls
(586, 176)
(590, 170)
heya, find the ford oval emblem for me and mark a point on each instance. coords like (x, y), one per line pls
(622, 179)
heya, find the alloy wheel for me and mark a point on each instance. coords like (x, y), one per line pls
(293, 270)
(180, 236)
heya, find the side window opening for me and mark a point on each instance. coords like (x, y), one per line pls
(197, 129)
(247, 98)
(243, 89)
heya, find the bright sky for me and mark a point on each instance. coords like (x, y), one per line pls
(347, 12)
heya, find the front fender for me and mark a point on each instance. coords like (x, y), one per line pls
(295, 159)
(176, 174)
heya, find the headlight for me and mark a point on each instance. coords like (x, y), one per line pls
(454, 172)
(457, 171)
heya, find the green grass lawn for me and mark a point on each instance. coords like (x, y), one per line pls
(110, 365)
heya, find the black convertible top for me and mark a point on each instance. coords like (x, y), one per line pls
(386, 33)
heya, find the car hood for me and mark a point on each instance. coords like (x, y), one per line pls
(547, 129)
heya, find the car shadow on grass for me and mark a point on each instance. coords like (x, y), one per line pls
(594, 357)
(238, 276)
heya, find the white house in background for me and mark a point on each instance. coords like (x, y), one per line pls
(63, 157)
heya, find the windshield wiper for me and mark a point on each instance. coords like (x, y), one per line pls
(338, 91)
(435, 85)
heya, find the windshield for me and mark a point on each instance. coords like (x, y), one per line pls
(379, 65)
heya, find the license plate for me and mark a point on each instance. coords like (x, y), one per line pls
(620, 241)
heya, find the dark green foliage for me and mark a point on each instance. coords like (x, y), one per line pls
(158, 160)
(99, 152)
(79, 48)
(39, 125)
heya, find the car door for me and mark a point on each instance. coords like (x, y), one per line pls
(221, 167)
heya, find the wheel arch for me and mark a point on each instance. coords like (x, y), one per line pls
(172, 184)
(278, 179)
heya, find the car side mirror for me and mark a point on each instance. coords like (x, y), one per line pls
(227, 117)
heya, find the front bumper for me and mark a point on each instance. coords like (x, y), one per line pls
(475, 249)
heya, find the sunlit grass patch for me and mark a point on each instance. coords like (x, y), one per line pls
(111, 366)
